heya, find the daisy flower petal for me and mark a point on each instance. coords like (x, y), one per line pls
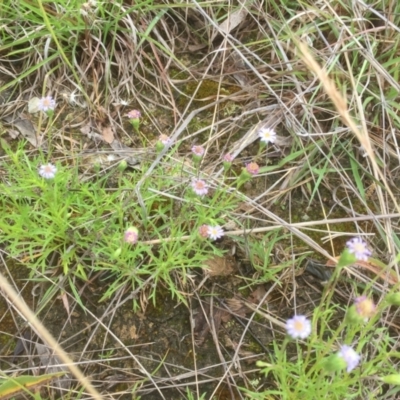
(215, 232)
(298, 327)
(131, 235)
(47, 171)
(267, 135)
(46, 103)
(359, 248)
(351, 358)
(199, 187)
(198, 151)
(253, 168)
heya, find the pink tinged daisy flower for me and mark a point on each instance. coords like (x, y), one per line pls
(298, 327)
(203, 231)
(228, 158)
(359, 248)
(198, 151)
(164, 139)
(365, 307)
(252, 168)
(199, 187)
(215, 232)
(131, 235)
(48, 171)
(46, 103)
(134, 114)
(351, 358)
(267, 135)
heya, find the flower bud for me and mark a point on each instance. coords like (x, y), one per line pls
(122, 166)
(393, 379)
(334, 363)
(393, 299)
(117, 252)
(131, 235)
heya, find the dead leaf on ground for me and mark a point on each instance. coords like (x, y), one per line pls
(64, 297)
(232, 21)
(133, 332)
(25, 127)
(201, 321)
(238, 306)
(258, 295)
(220, 266)
(124, 152)
(53, 365)
(250, 356)
(108, 134)
(33, 105)
(13, 133)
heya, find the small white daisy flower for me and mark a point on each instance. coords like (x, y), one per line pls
(200, 187)
(351, 358)
(359, 248)
(131, 235)
(215, 232)
(134, 114)
(46, 103)
(198, 151)
(298, 327)
(267, 135)
(164, 139)
(48, 171)
(228, 158)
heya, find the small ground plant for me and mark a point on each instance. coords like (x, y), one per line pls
(58, 222)
(335, 358)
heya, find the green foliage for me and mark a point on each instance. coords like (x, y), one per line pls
(25, 384)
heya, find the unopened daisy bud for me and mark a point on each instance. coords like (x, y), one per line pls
(97, 167)
(163, 140)
(131, 235)
(393, 379)
(117, 252)
(227, 161)
(228, 158)
(122, 166)
(248, 173)
(198, 153)
(203, 231)
(334, 363)
(134, 114)
(252, 168)
(393, 299)
(134, 119)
